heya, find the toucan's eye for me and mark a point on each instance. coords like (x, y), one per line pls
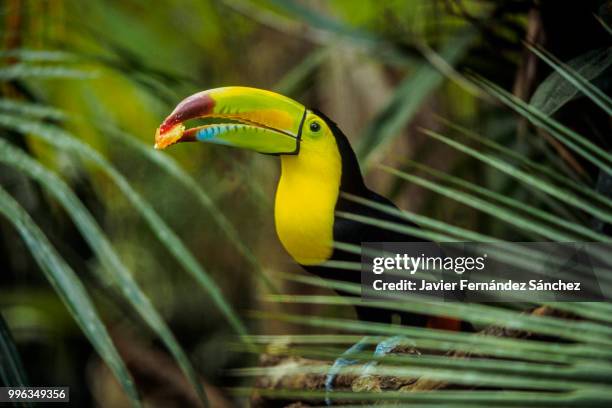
(315, 127)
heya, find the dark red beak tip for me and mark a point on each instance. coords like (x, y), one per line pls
(192, 107)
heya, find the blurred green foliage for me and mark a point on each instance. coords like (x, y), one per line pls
(85, 84)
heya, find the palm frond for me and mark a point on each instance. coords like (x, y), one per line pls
(550, 189)
(514, 204)
(576, 142)
(571, 78)
(24, 71)
(12, 372)
(70, 289)
(115, 268)
(63, 140)
(407, 100)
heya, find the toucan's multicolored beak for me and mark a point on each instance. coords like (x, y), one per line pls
(237, 116)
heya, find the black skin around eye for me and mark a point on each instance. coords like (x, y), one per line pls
(315, 127)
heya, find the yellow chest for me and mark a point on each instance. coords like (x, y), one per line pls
(305, 200)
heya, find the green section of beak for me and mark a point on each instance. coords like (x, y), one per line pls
(248, 118)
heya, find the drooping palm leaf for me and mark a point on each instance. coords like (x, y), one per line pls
(585, 331)
(516, 205)
(448, 341)
(12, 372)
(585, 148)
(553, 190)
(165, 162)
(22, 71)
(407, 99)
(530, 165)
(114, 267)
(570, 79)
(70, 289)
(63, 140)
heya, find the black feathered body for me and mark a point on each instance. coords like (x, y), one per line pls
(354, 232)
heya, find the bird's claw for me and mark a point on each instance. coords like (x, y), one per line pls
(383, 348)
(339, 364)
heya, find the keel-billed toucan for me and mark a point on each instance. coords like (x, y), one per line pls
(317, 165)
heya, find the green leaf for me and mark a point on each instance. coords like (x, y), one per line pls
(446, 398)
(592, 67)
(450, 232)
(359, 38)
(100, 245)
(467, 372)
(513, 348)
(603, 23)
(28, 55)
(535, 168)
(70, 289)
(64, 140)
(172, 168)
(506, 215)
(583, 309)
(35, 111)
(573, 140)
(550, 189)
(12, 372)
(392, 226)
(472, 371)
(22, 71)
(518, 206)
(560, 86)
(506, 348)
(165, 162)
(408, 99)
(520, 257)
(585, 331)
(294, 79)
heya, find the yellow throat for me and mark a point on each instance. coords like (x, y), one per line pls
(305, 200)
